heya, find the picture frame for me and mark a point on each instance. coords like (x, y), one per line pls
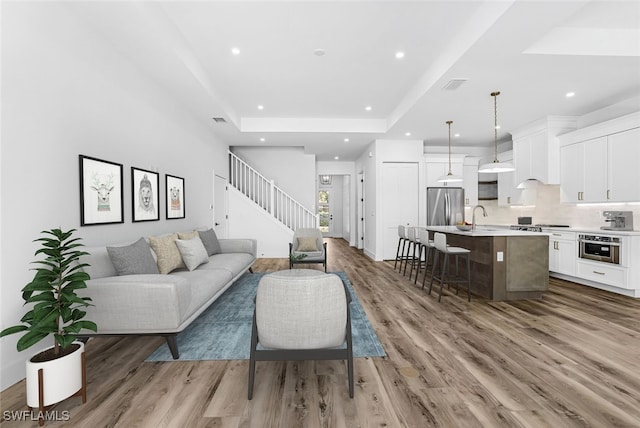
(101, 194)
(174, 189)
(145, 195)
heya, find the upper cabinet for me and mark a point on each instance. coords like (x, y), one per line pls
(600, 163)
(470, 184)
(438, 165)
(536, 150)
(510, 191)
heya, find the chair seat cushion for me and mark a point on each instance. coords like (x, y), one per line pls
(457, 250)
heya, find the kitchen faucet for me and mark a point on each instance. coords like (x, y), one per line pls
(473, 217)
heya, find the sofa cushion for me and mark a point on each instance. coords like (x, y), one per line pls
(203, 285)
(193, 252)
(210, 241)
(133, 259)
(235, 263)
(188, 235)
(169, 257)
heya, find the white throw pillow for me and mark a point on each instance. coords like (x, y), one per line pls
(193, 252)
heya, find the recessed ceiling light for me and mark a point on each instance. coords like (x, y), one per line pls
(456, 135)
(368, 108)
(497, 126)
(235, 51)
(407, 134)
(319, 52)
(260, 107)
(346, 140)
(399, 55)
(336, 157)
(570, 94)
(262, 140)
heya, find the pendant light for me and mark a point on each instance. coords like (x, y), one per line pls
(449, 178)
(496, 165)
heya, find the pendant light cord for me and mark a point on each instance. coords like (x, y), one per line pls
(495, 124)
(449, 122)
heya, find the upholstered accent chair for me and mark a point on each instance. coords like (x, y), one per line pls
(301, 314)
(307, 246)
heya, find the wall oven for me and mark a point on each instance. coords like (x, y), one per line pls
(599, 248)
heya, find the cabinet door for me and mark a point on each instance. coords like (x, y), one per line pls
(554, 256)
(571, 173)
(470, 185)
(436, 170)
(595, 170)
(539, 143)
(508, 193)
(522, 159)
(567, 256)
(624, 166)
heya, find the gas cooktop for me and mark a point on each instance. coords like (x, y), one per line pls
(526, 228)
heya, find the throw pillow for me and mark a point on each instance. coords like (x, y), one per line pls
(169, 257)
(133, 259)
(193, 252)
(188, 235)
(307, 244)
(210, 241)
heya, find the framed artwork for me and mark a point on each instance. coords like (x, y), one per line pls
(100, 192)
(144, 195)
(175, 197)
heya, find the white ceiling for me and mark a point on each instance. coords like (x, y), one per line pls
(533, 52)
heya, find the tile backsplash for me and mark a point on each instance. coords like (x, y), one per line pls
(549, 210)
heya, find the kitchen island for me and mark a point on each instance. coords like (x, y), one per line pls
(505, 264)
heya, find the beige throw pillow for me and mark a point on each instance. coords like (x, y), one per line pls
(169, 257)
(307, 244)
(188, 235)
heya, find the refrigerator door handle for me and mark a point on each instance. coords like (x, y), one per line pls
(447, 209)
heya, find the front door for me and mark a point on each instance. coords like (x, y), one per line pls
(324, 212)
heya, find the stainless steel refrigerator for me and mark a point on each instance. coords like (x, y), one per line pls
(445, 205)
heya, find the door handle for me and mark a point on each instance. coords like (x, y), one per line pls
(217, 224)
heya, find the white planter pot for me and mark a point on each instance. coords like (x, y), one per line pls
(62, 378)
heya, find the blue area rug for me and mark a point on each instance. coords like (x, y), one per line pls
(223, 331)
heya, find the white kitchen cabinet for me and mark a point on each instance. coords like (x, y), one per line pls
(470, 175)
(511, 193)
(563, 252)
(470, 185)
(599, 163)
(623, 161)
(438, 166)
(584, 171)
(536, 150)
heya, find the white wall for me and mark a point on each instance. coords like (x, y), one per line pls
(290, 168)
(66, 92)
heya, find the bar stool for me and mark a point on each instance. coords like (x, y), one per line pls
(440, 242)
(402, 240)
(427, 247)
(411, 249)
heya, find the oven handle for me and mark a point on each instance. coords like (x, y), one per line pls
(613, 244)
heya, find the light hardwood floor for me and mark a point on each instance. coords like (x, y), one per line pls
(570, 359)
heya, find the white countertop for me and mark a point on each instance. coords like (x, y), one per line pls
(591, 231)
(482, 231)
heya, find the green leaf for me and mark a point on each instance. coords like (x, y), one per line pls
(13, 330)
(89, 325)
(30, 339)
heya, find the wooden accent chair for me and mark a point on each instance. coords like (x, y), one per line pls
(301, 314)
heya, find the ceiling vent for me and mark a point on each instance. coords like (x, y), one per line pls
(219, 120)
(454, 84)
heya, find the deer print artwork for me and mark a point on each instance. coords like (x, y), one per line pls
(103, 185)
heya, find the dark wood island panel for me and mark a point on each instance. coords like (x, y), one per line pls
(523, 272)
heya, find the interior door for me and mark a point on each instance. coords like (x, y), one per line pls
(220, 206)
(400, 202)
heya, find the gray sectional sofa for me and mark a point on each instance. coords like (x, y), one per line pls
(131, 296)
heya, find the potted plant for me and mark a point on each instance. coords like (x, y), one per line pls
(57, 311)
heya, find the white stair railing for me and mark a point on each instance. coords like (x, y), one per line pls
(268, 196)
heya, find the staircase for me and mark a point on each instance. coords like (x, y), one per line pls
(271, 198)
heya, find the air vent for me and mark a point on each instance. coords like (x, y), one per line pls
(454, 84)
(219, 120)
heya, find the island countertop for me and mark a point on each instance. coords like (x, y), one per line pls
(481, 231)
(505, 264)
